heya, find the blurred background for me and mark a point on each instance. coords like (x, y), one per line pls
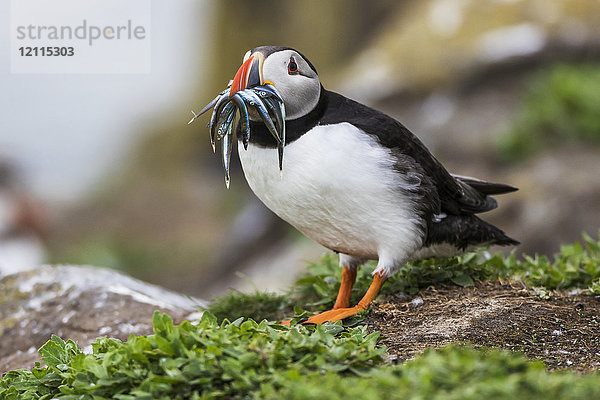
(102, 169)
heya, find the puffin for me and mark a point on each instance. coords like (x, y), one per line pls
(356, 180)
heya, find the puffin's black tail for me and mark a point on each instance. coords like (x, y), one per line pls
(463, 231)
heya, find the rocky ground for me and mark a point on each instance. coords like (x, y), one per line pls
(83, 303)
(563, 330)
(77, 302)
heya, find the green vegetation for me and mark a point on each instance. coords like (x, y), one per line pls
(244, 359)
(560, 107)
(452, 372)
(575, 266)
(256, 306)
(208, 360)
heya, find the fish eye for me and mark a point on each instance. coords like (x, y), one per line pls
(292, 66)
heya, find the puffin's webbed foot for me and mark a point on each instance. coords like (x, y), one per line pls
(340, 312)
(336, 314)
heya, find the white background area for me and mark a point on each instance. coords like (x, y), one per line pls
(63, 131)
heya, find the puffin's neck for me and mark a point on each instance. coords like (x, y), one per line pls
(294, 128)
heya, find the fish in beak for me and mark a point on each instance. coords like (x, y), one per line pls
(247, 93)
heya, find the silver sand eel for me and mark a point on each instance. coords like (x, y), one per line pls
(263, 101)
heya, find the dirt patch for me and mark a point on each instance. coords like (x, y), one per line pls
(563, 331)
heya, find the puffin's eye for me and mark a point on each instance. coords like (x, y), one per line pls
(292, 66)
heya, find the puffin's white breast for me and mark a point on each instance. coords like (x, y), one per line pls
(339, 188)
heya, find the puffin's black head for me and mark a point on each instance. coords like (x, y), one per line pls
(288, 70)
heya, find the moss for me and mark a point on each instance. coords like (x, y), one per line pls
(257, 306)
(561, 106)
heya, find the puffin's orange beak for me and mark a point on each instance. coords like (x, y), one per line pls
(249, 74)
(240, 81)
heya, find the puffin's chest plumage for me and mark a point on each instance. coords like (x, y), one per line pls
(338, 187)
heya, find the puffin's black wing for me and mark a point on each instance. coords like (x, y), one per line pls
(443, 192)
(484, 186)
(457, 195)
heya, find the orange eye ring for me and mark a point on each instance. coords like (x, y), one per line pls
(292, 66)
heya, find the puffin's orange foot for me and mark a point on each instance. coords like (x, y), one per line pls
(333, 315)
(286, 322)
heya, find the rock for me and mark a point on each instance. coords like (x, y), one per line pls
(435, 43)
(80, 303)
(416, 302)
(557, 201)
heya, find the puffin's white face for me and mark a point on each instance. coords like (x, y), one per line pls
(293, 77)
